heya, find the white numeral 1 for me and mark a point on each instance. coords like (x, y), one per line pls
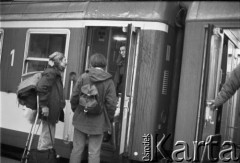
(12, 54)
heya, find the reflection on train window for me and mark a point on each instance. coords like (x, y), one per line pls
(40, 46)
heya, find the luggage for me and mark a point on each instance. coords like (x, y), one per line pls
(46, 156)
(34, 155)
(27, 93)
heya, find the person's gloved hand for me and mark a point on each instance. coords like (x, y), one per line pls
(212, 104)
(117, 112)
(45, 111)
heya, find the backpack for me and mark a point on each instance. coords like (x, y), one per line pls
(27, 91)
(89, 99)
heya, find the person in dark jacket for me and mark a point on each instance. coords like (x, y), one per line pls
(51, 98)
(118, 77)
(87, 126)
(228, 89)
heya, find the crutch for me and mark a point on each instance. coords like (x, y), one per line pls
(30, 136)
(26, 146)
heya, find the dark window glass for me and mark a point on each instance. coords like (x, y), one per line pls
(40, 47)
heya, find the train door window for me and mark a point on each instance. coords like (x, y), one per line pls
(40, 44)
(1, 42)
(107, 41)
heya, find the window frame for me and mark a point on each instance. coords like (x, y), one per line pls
(1, 43)
(43, 31)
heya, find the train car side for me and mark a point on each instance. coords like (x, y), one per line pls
(196, 72)
(81, 29)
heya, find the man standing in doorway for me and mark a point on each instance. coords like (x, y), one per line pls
(118, 78)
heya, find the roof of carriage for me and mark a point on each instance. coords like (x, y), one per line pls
(137, 11)
(214, 10)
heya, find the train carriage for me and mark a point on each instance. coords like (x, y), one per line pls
(210, 53)
(31, 31)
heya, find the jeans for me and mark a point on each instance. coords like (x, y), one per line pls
(94, 147)
(45, 141)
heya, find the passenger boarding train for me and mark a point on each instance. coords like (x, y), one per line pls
(178, 57)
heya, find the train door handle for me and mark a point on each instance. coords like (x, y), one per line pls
(126, 101)
(125, 111)
(209, 112)
(72, 81)
(126, 107)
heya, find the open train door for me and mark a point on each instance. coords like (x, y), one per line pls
(209, 123)
(127, 102)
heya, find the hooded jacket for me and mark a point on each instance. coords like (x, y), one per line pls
(95, 124)
(50, 91)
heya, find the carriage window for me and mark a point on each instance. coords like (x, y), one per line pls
(40, 46)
